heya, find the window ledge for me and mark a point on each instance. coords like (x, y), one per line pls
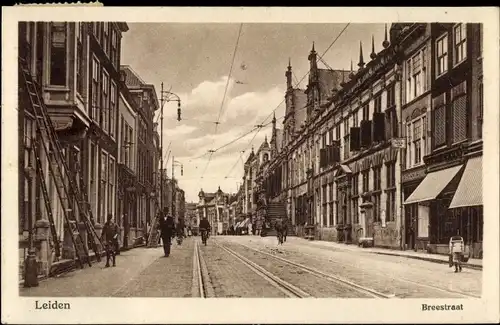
(459, 63)
(390, 189)
(440, 148)
(441, 75)
(56, 88)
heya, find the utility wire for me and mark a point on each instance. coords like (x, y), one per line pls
(224, 96)
(228, 78)
(320, 58)
(230, 170)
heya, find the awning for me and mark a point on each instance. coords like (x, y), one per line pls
(470, 188)
(432, 185)
(244, 223)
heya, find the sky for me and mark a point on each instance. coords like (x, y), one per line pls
(194, 62)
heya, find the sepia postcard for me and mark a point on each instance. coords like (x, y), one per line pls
(178, 156)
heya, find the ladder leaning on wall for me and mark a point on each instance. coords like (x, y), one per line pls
(63, 180)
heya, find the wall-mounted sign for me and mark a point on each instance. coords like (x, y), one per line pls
(398, 143)
(382, 219)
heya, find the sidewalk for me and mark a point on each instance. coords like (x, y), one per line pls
(473, 263)
(96, 281)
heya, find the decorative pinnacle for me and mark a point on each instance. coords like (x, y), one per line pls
(351, 74)
(385, 43)
(361, 63)
(373, 55)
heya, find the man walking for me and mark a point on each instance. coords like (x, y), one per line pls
(166, 229)
(110, 235)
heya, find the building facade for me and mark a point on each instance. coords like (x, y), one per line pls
(214, 207)
(127, 163)
(145, 98)
(249, 190)
(76, 67)
(390, 153)
(448, 201)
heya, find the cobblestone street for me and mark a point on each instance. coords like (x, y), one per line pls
(250, 266)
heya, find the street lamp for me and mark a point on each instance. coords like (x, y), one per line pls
(165, 97)
(175, 163)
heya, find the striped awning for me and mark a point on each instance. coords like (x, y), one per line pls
(244, 223)
(432, 185)
(470, 188)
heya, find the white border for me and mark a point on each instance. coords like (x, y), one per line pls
(155, 310)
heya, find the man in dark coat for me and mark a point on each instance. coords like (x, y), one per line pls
(110, 233)
(166, 229)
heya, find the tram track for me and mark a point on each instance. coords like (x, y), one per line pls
(458, 294)
(285, 287)
(202, 284)
(331, 278)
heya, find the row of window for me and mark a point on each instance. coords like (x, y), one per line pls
(459, 50)
(107, 35)
(455, 112)
(127, 144)
(329, 217)
(104, 98)
(417, 69)
(416, 134)
(306, 158)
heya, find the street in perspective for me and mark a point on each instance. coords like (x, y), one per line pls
(250, 160)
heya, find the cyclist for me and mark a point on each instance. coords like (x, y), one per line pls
(204, 230)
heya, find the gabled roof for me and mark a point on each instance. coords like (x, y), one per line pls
(330, 80)
(134, 82)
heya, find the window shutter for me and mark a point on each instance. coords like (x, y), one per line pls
(322, 157)
(366, 133)
(355, 139)
(460, 119)
(439, 126)
(427, 134)
(328, 155)
(378, 127)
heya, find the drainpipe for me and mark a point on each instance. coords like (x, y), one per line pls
(402, 237)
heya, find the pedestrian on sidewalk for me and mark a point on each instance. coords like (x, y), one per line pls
(110, 233)
(457, 250)
(167, 230)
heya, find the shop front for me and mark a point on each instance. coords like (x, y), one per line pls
(416, 230)
(448, 202)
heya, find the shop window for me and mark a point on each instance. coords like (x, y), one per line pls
(423, 221)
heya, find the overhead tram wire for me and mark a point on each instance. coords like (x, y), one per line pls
(236, 163)
(265, 124)
(224, 96)
(320, 58)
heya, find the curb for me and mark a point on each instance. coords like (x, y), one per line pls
(422, 258)
(430, 259)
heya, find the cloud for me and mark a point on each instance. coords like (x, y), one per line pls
(193, 137)
(179, 130)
